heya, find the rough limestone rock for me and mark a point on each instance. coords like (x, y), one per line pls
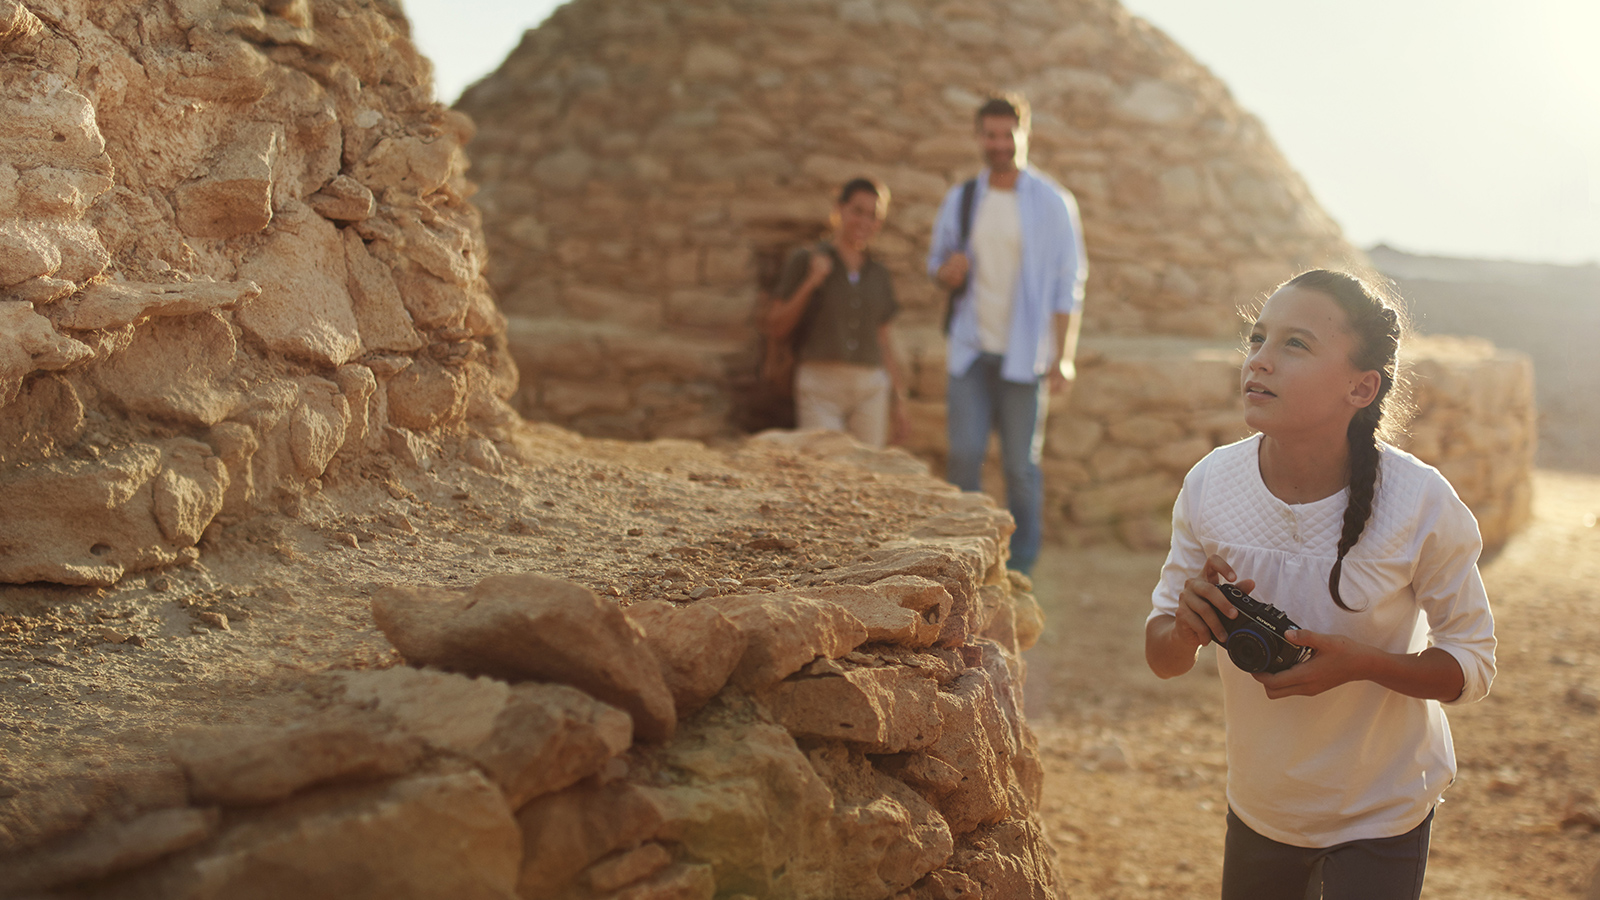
(697, 646)
(904, 609)
(785, 631)
(428, 835)
(886, 710)
(228, 225)
(753, 807)
(567, 832)
(532, 627)
(90, 521)
(250, 766)
(110, 849)
(888, 837)
(529, 739)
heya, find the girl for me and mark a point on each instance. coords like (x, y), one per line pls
(1335, 765)
(836, 301)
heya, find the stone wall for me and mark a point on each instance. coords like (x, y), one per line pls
(647, 164)
(644, 168)
(240, 262)
(854, 732)
(1145, 410)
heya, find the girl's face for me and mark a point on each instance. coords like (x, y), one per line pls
(858, 219)
(1298, 380)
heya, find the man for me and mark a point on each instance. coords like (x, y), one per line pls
(1016, 270)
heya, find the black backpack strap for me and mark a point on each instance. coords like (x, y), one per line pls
(968, 190)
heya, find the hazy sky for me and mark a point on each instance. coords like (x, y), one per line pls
(1459, 127)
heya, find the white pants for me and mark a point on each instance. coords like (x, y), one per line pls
(843, 397)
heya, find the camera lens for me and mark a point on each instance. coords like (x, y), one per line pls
(1249, 651)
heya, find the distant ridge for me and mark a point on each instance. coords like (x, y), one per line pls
(1549, 311)
(1579, 282)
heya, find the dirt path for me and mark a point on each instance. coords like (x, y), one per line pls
(1135, 768)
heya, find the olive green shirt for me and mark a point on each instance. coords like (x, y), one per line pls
(841, 321)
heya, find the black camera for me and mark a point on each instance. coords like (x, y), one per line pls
(1255, 639)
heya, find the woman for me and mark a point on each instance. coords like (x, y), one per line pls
(1335, 764)
(835, 302)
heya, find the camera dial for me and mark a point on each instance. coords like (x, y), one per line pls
(1248, 650)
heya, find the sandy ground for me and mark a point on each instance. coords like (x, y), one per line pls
(1135, 769)
(93, 683)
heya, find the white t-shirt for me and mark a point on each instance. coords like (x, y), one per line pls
(1358, 761)
(997, 258)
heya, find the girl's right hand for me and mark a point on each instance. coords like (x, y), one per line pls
(1201, 604)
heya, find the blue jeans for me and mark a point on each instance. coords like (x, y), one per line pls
(979, 401)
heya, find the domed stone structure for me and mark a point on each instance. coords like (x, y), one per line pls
(646, 166)
(240, 258)
(641, 161)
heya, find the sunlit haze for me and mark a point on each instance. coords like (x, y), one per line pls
(1457, 127)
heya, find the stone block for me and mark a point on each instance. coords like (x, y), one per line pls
(613, 306)
(711, 308)
(712, 62)
(381, 317)
(529, 739)
(903, 609)
(247, 766)
(113, 304)
(981, 752)
(439, 835)
(751, 805)
(78, 522)
(784, 632)
(234, 197)
(884, 710)
(535, 628)
(304, 309)
(625, 867)
(957, 564)
(107, 849)
(887, 836)
(566, 398)
(175, 369)
(426, 396)
(697, 646)
(343, 199)
(567, 832)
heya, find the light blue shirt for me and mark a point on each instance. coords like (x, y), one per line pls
(1049, 281)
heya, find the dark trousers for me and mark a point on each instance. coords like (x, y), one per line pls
(1259, 868)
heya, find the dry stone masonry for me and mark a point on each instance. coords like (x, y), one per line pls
(646, 166)
(849, 731)
(236, 259)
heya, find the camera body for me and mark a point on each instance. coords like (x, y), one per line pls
(1255, 638)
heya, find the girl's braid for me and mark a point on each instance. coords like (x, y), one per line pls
(1378, 328)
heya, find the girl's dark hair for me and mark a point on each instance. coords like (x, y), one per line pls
(1378, 324)
(859, 185)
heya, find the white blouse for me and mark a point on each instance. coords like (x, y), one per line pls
(1358, 761)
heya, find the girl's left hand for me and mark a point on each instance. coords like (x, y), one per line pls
(1337, 660)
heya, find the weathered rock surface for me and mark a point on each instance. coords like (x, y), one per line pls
(249, 766)
(214, 218)
(697, 646)
(533, 628)
(817, 753)
(784, 633)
